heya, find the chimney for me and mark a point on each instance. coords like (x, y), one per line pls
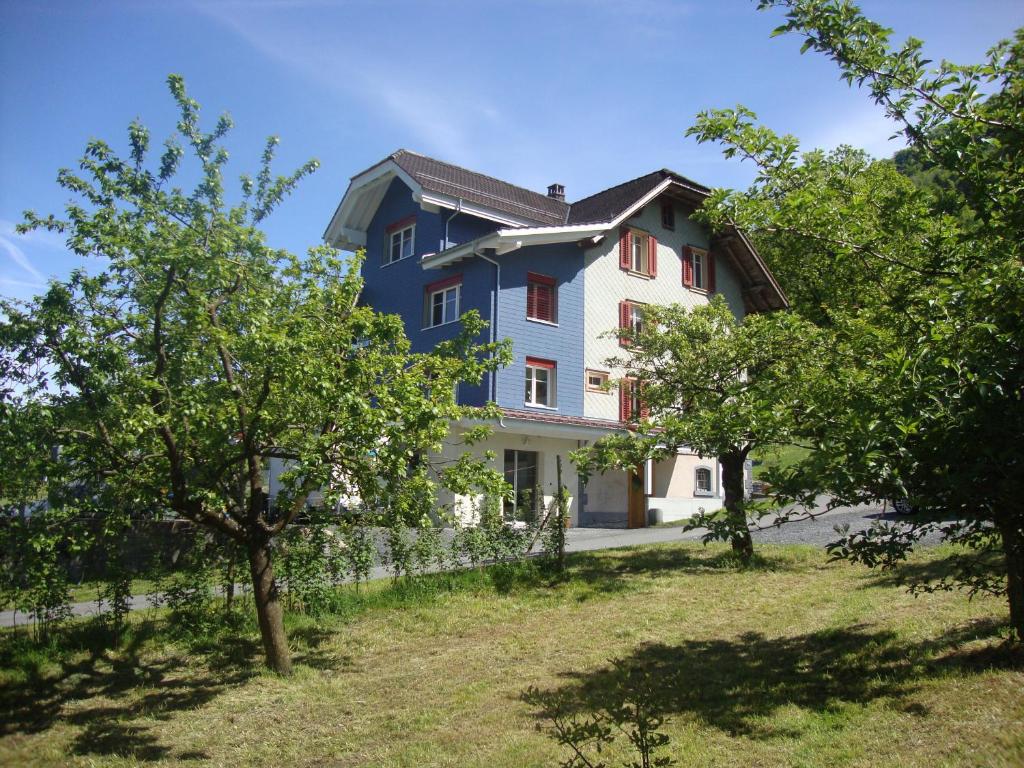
(557, 191)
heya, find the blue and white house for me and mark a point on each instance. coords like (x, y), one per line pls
(552, 277)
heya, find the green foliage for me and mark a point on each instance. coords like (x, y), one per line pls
(719, 386)
(195, 354)
(631, 708)
(360, 551)
(921, 290)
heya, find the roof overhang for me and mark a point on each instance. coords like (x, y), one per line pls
(351, 220)
(511, 239)
(541, 425)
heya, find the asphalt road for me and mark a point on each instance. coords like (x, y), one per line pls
(817, 532)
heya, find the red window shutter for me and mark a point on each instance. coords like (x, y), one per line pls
(540, 297)
(687, 266)
(538, 362)
(544, 306)
(624, 400)
(652, 255)
(624, 249)
(711, 272)
(645, 411)
(624, 319)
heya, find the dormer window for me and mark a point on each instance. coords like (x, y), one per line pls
(401, 238)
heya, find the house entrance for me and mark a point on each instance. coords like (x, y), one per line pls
(521, 474)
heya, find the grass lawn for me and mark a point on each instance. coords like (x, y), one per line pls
(794, 663)
(780, 456)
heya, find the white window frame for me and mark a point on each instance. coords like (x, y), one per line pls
(697, 490)
(700, 269)
(636, 323)
(531, 379)
(443, 292)
(600, 388)
(639, 252)
(401, 242)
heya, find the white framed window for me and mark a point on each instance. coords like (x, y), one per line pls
(630, 319)
(700, 269)
(639, 255)
(597, 381)
(401, 241)
(444, 305)
(540, 382)
(702, 482)
(638, 252)
(441, 301)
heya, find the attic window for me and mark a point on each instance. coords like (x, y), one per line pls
(668, 214)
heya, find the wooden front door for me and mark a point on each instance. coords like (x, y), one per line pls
(637, 513)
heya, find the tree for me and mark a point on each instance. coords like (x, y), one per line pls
(930, 405)
(197, 353)
(717, 385)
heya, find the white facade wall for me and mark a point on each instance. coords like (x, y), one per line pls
(674, 489)
(466, 508)
(606, 285)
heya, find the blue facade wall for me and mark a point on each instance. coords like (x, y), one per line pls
(561, 343)
(398, 288)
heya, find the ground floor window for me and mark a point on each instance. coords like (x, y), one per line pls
(521, 474)
(702, 482)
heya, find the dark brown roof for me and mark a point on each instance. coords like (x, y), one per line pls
(447, 179)
(608, 204)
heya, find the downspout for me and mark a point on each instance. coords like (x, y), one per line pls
(458, 210)
(494, 318)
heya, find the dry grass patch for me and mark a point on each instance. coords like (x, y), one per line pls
(794, 662)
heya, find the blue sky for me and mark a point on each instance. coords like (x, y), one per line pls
(587, 93)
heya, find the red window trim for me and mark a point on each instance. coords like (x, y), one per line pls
(534, 277)
(537, 362)
(447, 282)
(400, 224)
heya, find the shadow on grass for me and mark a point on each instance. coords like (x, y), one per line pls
(737, 685)
(107, 694)
(615, 571)
(987, 565)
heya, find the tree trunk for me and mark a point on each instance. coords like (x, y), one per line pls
(1013, 549)
(732, 483)
(268, 608)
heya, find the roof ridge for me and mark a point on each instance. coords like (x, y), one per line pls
(477, 173)
(620, 184)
